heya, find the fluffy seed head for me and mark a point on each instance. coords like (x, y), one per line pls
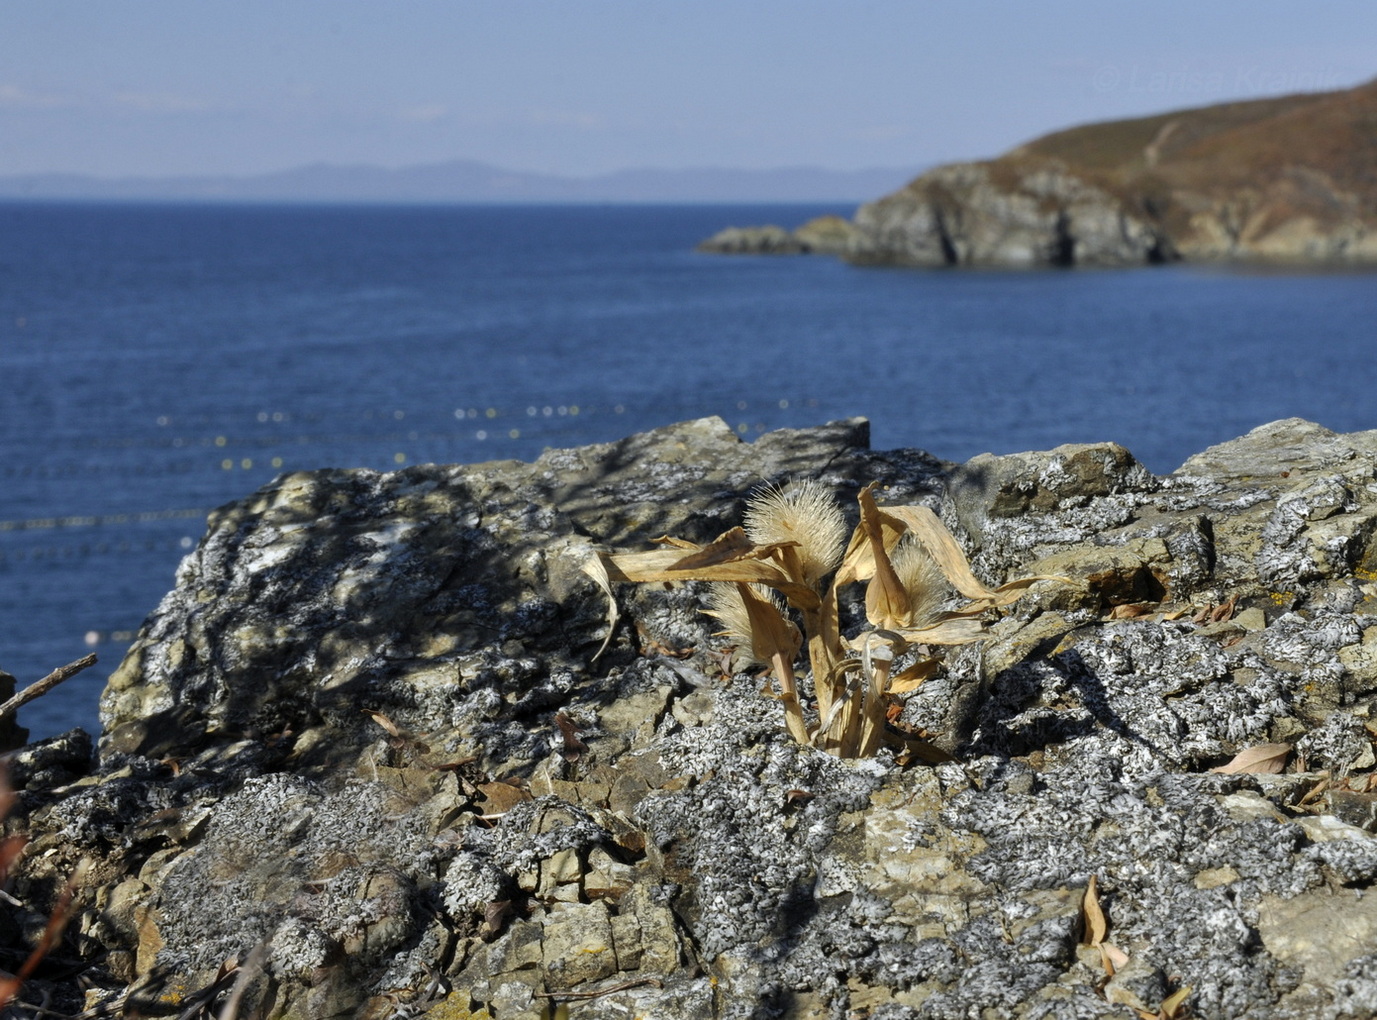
(805, 512)
(724, 602)
(923, 580)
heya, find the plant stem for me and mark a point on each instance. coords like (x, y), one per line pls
(793, 710)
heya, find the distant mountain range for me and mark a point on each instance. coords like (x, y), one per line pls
(468, 181)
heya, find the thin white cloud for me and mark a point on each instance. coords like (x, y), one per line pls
(424, 113)
(565, 119)
(14, 97)
(157, 102)
(882, 133)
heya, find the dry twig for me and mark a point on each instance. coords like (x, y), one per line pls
(42, 687)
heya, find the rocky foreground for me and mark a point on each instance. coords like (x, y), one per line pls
(1273, 180)
(360, 761)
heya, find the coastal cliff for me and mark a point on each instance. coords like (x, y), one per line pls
(366, 759)
(1289, 179)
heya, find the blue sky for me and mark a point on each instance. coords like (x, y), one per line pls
(162, 87)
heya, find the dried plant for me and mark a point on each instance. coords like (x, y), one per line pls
(793, 557)
(10, 849)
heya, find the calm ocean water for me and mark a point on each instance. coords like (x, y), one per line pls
(156, 362)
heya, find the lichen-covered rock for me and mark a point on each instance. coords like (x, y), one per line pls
(825, 235)
(1031, 213)
(766, 240)
(367, 733)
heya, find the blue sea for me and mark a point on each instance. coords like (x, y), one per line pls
(158, 361)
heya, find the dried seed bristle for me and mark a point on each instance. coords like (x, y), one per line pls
(805, 512)
(922, 578)
(724, 602)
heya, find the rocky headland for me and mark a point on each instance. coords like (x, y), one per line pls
(363, 760)
(1286, 180)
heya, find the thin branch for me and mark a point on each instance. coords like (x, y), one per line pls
(42, 687)
(247, 972)
(596, 992)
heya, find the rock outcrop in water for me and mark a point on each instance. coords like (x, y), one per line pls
(365, 732)
(1276, 180)
(826, 235)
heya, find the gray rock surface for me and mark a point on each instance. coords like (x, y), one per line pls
(366, 732)
(974, 214)
(766, 240)
(826, 235)
(985, 214)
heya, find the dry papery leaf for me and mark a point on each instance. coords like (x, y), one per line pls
(500, 797)
(597, 570)
(1216, 614)
(1173, 1007)
(1096, 924)
(1132, 610)
(1112, 958)
(383, 721)
(793, 540)
(1264, 758)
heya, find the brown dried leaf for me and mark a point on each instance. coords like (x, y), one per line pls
(726, 547)
(1225, 610)
(383, 721)
(1096, 924)
(499, 798)
(456, 765)
(1314, 793)
(1112, 958)
(1174, 1005)
(663, 565)
(858, 562)
(787, 556)
(52, 933)
(824, 638)
(493, 916)
(950, 629)
(928, 528)
(913, 677)
(910, 747)
(573, 746)
(1131, 610)
(596, 568)
(1264, 758)
(771, 633)
(886, 600)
